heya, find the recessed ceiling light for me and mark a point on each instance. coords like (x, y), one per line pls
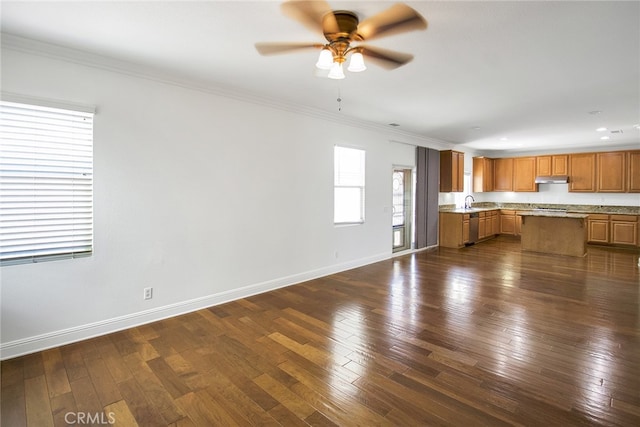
(602, 129)
(604, 138)
(594, 112)
(636, 127)
(504, 138)
(475, 128)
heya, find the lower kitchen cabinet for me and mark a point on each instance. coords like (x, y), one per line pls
(495, 222)
(602, 229)
(488, 225)
(613, 229)
(624, 230)
(507, 222)
(482, 226)
(454, 229)
(598, 228)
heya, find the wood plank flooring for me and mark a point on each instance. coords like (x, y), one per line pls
(486, 335)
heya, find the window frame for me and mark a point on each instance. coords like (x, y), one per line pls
(46, 180)
(338, 184)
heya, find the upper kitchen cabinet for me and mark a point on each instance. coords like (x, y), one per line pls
(503, 174)
(611, 172)
(633, 171)
(552, 165)
(582, 172)
(524, 174)
(482, 174)
(451, 171)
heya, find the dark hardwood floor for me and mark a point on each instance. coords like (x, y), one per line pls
(486, 335)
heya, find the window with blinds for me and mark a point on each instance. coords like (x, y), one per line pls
(46, 183)
(348, 203)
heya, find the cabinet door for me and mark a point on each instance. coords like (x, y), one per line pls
(612, 172)
(465, 231)
(482, 174)
(451, 171)
(582, 172)
(624, 233)
(560, 165)
(482, 228)
(495, 223)
(543, 166)
(507, 224)
(598, 231)
(624, 229)
(503, 174)
(633, 172)
(524, 174)
(518, 220)
(459, 172)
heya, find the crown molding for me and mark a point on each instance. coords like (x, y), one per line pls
(76, 56)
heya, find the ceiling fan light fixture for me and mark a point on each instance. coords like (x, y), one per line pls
(336, 72)
(356, 63)
(325, 60)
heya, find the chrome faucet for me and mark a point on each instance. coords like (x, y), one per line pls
(467, 203)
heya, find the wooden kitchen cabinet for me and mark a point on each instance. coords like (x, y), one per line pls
(582, 172)
(482, 174)
(482, 225)
(488, 225)
(613, 229)
(598, 228)
(495, 223)
(633, 171)
(518, 224)
(451, 171)
(552, 165)
(611, 172)
(507, 222)
(454, 229)
(503, 174)
(465, 229)
(524, 174)
(624, 229)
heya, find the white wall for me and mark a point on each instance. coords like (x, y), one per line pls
(203, 197)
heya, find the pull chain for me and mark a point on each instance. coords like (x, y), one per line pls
(339, 100)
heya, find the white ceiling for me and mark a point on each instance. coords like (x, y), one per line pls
(483, 71)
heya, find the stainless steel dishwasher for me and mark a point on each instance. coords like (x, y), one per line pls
(474, 221)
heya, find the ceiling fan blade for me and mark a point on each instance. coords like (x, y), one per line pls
(388, 59)
(315, 15)
(275, 48)
(399, 18)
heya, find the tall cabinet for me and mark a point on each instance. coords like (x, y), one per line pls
(633, 172)
(503, 174)
(582, 168)
(611, 172)
(451, 171)
(482, 174)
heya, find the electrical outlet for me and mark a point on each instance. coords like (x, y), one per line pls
(148, 293)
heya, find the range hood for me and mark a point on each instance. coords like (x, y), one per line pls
(557, 179)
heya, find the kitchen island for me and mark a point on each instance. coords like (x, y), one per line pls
(558, 233)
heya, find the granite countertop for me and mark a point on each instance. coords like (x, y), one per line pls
(554, 214)
(577, 209)
(470, 210)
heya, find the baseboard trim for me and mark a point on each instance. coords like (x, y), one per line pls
(58, 338)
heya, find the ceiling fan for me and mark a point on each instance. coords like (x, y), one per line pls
(341, 29)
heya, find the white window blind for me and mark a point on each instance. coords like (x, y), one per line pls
(46, 183)
(348, 204)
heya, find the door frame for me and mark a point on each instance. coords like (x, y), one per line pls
(408, 202)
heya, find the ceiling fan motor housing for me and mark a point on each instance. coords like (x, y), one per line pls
(347, 25)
